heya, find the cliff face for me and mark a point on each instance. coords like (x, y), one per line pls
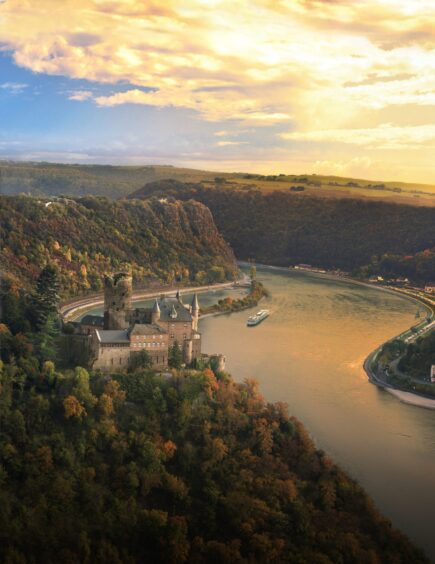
(161, 241)
(285, 228)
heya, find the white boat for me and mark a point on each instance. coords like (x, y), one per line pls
(258, 317)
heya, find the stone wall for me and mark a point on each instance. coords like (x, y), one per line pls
(112, 358)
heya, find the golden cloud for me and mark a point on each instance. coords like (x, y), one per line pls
(322, 65)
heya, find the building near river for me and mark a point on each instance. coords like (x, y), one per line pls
(124, 332)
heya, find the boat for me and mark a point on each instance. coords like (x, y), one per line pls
(258, 317)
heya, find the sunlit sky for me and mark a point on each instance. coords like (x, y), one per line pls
(327, 86)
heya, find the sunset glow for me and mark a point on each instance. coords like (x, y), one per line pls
(296, 85)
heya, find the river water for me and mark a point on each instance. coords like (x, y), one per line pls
(309, 353)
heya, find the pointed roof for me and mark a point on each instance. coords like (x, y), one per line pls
(178, 296)
(174, 313)
(156, 307)
(195, 304)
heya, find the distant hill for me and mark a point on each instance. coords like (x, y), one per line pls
(32, 178)
(47, 179)
(161, 242)
(284, 227)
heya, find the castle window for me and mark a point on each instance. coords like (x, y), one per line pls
(184, 336)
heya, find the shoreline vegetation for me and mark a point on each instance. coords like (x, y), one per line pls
(257, 292)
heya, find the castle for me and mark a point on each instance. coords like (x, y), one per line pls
(124, 331)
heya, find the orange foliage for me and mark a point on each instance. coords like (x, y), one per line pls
(73, 408)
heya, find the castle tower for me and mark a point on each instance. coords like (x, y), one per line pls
(155, 313)
(195, 312)
(118, 291)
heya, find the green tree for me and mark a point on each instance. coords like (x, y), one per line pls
(175, 356)
(45, 300)
(140, 360)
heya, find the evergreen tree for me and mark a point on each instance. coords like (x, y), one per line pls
(46, 297)
(175, 357)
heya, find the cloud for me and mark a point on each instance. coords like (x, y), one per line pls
(13, 87)
(385, 136)
(80, 95)
(230, 143)
(320, 70)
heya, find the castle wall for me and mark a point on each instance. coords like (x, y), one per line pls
(177, 331)
(111, 358)
(156, 345)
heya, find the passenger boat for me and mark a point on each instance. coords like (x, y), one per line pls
(258, 317)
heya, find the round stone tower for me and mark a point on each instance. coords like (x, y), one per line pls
(118, 291)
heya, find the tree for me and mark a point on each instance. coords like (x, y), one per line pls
(140, 360)
(175, 356)
(72, 407)
(45, 300)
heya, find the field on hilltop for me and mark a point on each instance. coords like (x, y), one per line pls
(47, 179)
(335, 187)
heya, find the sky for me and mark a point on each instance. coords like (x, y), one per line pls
(343, 87)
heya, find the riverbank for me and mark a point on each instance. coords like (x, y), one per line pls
(71, 309)
(405, 396)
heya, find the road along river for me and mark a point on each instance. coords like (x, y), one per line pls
(310, 354)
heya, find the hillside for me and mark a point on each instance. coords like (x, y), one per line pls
(50, 179)
(161, 242)
(47, 179)
(285, 228)
(187, 467)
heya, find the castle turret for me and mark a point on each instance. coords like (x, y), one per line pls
(155, 313)
(195, 312)
(118, 291)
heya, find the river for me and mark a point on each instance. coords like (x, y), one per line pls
(309, 353)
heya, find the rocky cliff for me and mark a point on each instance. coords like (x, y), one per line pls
(162, 241)
(285, 228)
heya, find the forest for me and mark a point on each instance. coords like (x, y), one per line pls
(419, 357)
(187, 467)
(284, 228)
(160, 242)
(55, 179)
